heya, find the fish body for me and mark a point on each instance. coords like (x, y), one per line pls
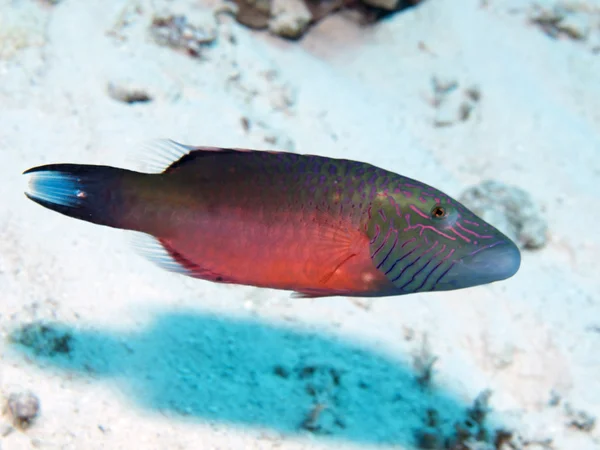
(314, 225)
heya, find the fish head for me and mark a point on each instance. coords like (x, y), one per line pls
(444, 245)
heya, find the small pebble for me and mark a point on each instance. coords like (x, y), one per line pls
(579, 419)
(558, 21)
(178, 32)
(127, 92)
(289, 18)
(23, 407)
(576, 25)
(554, 398)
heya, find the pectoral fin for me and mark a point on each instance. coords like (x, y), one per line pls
(334, 244)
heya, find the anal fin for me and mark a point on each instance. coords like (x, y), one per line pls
(163, 254)
(313, 293)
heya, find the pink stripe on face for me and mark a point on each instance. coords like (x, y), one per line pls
(419, 212)
(466, 230)
(464, 238)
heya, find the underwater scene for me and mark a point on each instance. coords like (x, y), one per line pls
(300, 224)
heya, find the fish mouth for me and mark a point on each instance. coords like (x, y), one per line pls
(494, 263)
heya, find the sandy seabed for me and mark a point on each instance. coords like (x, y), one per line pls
(122, 355)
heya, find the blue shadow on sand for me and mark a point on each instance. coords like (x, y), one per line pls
(246, 372)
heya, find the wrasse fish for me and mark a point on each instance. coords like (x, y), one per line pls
(310, 224)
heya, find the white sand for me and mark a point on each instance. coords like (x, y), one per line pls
(340, 92)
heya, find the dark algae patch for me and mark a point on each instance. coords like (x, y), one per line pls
(43, 339)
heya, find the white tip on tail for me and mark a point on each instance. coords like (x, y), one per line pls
(59, 188)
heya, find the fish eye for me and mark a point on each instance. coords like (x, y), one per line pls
(438, 212)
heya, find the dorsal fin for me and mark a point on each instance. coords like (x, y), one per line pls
(166, 155)
(193, 155)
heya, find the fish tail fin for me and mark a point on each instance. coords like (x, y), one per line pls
(96, 194)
